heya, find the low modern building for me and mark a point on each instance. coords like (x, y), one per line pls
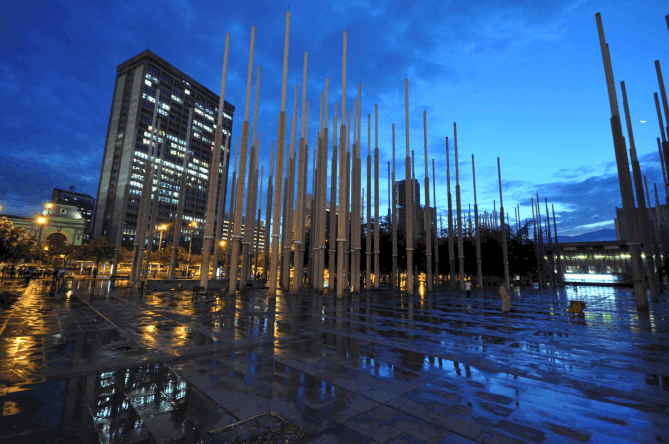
(594, 262)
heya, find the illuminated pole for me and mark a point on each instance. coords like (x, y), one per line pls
(540, 238)
(323, 159)
(223, 196)
(395, 272)
(435, 233)
(536, 246)
(377, 247)
(658, 244)
(213, 177)
(623, 175)
(300, 209)
(192, 225)
(451, 241)
(237, 236)
(257, 232)
(428, 214)
(408, 196)
(368, 236)
(663, 233)
(290, 199)
(461, 251)
(46, 224)
(278, 181)
(665, 104)
(641, 202)
(551, 260)
(341, 226)
(182, 197)
(560, 277)
(231, 214)
(119, 233)
(479, 270)
(268, 215)
(251, 194)
(145, 196)
(334, 210)
(154, 208)
(355, 202)
(505, 255)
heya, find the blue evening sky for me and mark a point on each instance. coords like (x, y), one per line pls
(524, 81)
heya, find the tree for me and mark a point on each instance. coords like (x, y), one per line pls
(97, 250)
(164, 256)
(16, 244)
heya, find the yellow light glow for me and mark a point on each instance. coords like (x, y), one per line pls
(41, 220)
(49, 205)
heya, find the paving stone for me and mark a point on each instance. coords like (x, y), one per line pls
(412, 364)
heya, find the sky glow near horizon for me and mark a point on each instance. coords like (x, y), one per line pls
(523, 80)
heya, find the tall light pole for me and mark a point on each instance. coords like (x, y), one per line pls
(46, 223)
(161, 228)
(192, 226)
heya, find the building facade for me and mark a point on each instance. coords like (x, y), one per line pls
(143, 83)
(83, 202)
(621, 225)
(61, 224)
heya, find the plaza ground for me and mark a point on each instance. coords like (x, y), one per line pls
(95, 364)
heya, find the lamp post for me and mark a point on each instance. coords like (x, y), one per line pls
(45, 221)
(160, 241)
(192, 226)
(222, 243)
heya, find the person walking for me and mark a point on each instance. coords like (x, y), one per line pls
(28, 274)
(468, 287)
(61, 277)
(95, 273)
(506, 299)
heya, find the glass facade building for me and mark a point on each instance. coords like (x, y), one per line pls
(143, 83)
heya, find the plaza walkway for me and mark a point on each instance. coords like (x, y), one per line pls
(99, 365)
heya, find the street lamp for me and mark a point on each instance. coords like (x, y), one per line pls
(45, 222)
(160, 242)
(192, 226)
(222, 265)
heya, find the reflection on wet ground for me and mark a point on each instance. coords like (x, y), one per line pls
(95, 364)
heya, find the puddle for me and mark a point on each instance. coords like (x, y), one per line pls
(265, 427)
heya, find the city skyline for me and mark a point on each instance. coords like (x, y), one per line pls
(514, 78)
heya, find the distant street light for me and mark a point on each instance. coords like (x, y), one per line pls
(160, 242)
(45, 222)
(192, 225)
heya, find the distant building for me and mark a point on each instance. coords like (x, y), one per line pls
(64, 225)
(143, 83)
(621, 225)
(84, 203)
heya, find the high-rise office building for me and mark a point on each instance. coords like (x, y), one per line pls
(143, 83)
(84, 203)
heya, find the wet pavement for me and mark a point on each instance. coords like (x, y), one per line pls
(95, 364)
